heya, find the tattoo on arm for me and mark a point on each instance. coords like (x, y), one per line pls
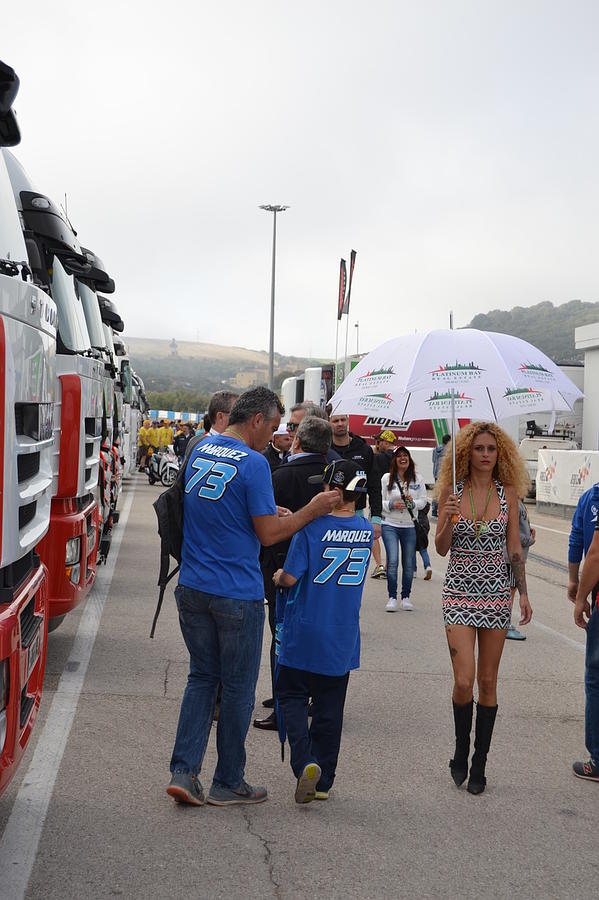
(517, 561)
(453, 651)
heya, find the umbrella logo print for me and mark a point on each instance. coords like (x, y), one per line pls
(537, 371)
(442, 401)
(456, 372)
(524, 397)
(381, 401)
(375, 377)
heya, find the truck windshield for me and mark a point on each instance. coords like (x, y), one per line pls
(71, 319)
(89, 299)
(126, 379)
(108, 339)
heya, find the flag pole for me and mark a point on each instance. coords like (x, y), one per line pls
(345, 372)
(337, 356)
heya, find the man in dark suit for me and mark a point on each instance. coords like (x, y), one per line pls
(278, 447)
(292, 490)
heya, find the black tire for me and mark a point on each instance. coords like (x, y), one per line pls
(151, 478)
(54, 623)
(168, 477)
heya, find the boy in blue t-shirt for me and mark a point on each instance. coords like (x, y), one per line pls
(320, 640)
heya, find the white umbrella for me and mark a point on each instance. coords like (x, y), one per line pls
(444, 373)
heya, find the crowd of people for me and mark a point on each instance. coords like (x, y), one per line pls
(309, 501)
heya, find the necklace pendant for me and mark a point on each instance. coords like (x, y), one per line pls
(483, 528)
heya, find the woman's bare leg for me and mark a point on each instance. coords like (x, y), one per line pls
(460, 639)
(490, 648)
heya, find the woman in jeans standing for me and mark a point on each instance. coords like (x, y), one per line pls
(403, 495)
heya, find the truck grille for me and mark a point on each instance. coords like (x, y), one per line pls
(27, 514)
(93, 427)
(26, 707)
(28, 465)
(29, 623)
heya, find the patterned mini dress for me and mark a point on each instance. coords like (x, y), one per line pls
(476, 590)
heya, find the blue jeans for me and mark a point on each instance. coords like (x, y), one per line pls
(320, 741)
(224, 639)
(392, 538)
(591, 686)
(426, 560)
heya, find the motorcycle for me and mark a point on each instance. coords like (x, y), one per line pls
(163, 466)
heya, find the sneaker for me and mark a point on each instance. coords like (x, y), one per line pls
(305, 791)
(406, 603)
(185, 788)
(587, 770)
(428, 574)
(321, 795)
(391, 604)
(245, 793)
(513, 634)
(379, 572)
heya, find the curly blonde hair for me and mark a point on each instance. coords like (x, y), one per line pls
(510, 468)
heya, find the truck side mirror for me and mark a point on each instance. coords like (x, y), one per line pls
(9, 87)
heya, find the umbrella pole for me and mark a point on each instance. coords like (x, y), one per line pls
(453, 429)
(452, 421)
(337, 356)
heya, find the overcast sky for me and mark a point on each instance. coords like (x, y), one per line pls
(454, 145)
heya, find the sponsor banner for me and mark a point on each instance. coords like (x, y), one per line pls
(352, 262)
(341, 295)
(564, 475)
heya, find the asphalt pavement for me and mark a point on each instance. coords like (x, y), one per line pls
(87, 815)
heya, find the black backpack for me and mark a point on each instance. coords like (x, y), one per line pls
(169, 512)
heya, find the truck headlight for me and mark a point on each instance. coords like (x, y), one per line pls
(74, 573)
(73, 551)
(4, 692)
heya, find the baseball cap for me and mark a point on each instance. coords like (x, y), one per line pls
(282, 429)
(386, 436)
(342, 473)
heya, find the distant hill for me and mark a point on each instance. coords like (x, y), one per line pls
(187, 372)
(548, 327)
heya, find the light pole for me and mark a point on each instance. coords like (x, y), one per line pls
(357, 327)
(274, 209)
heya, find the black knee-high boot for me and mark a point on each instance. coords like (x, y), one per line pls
(462, 717)
(485, 720)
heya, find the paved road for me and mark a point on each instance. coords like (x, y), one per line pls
(395, 826)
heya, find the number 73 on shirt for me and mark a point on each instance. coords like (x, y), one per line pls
(348, 564)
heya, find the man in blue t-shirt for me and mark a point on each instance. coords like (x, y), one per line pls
(320, 637)
(585, 536)
(228, 512)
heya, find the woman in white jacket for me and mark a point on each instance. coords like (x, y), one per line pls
(403, 492)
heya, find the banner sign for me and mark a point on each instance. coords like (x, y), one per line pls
(352, 262)
(341, 297)
(564, 475)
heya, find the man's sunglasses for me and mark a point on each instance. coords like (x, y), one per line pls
(292, 426)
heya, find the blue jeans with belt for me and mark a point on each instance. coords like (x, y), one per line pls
(224, 639)
(393, 538)
(591, 686)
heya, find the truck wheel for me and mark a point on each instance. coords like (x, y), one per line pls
(54, 623)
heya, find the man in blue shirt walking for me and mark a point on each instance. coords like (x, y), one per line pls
(228, 511)
(583, 537)
(320, 638)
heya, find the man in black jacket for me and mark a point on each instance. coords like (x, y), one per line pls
(292, 490)
(278, 447)
(351, 446)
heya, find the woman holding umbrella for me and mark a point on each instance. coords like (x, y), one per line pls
(475, 522)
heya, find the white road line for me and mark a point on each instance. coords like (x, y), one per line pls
(20, 841)
(546, 528)
(558, 634)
